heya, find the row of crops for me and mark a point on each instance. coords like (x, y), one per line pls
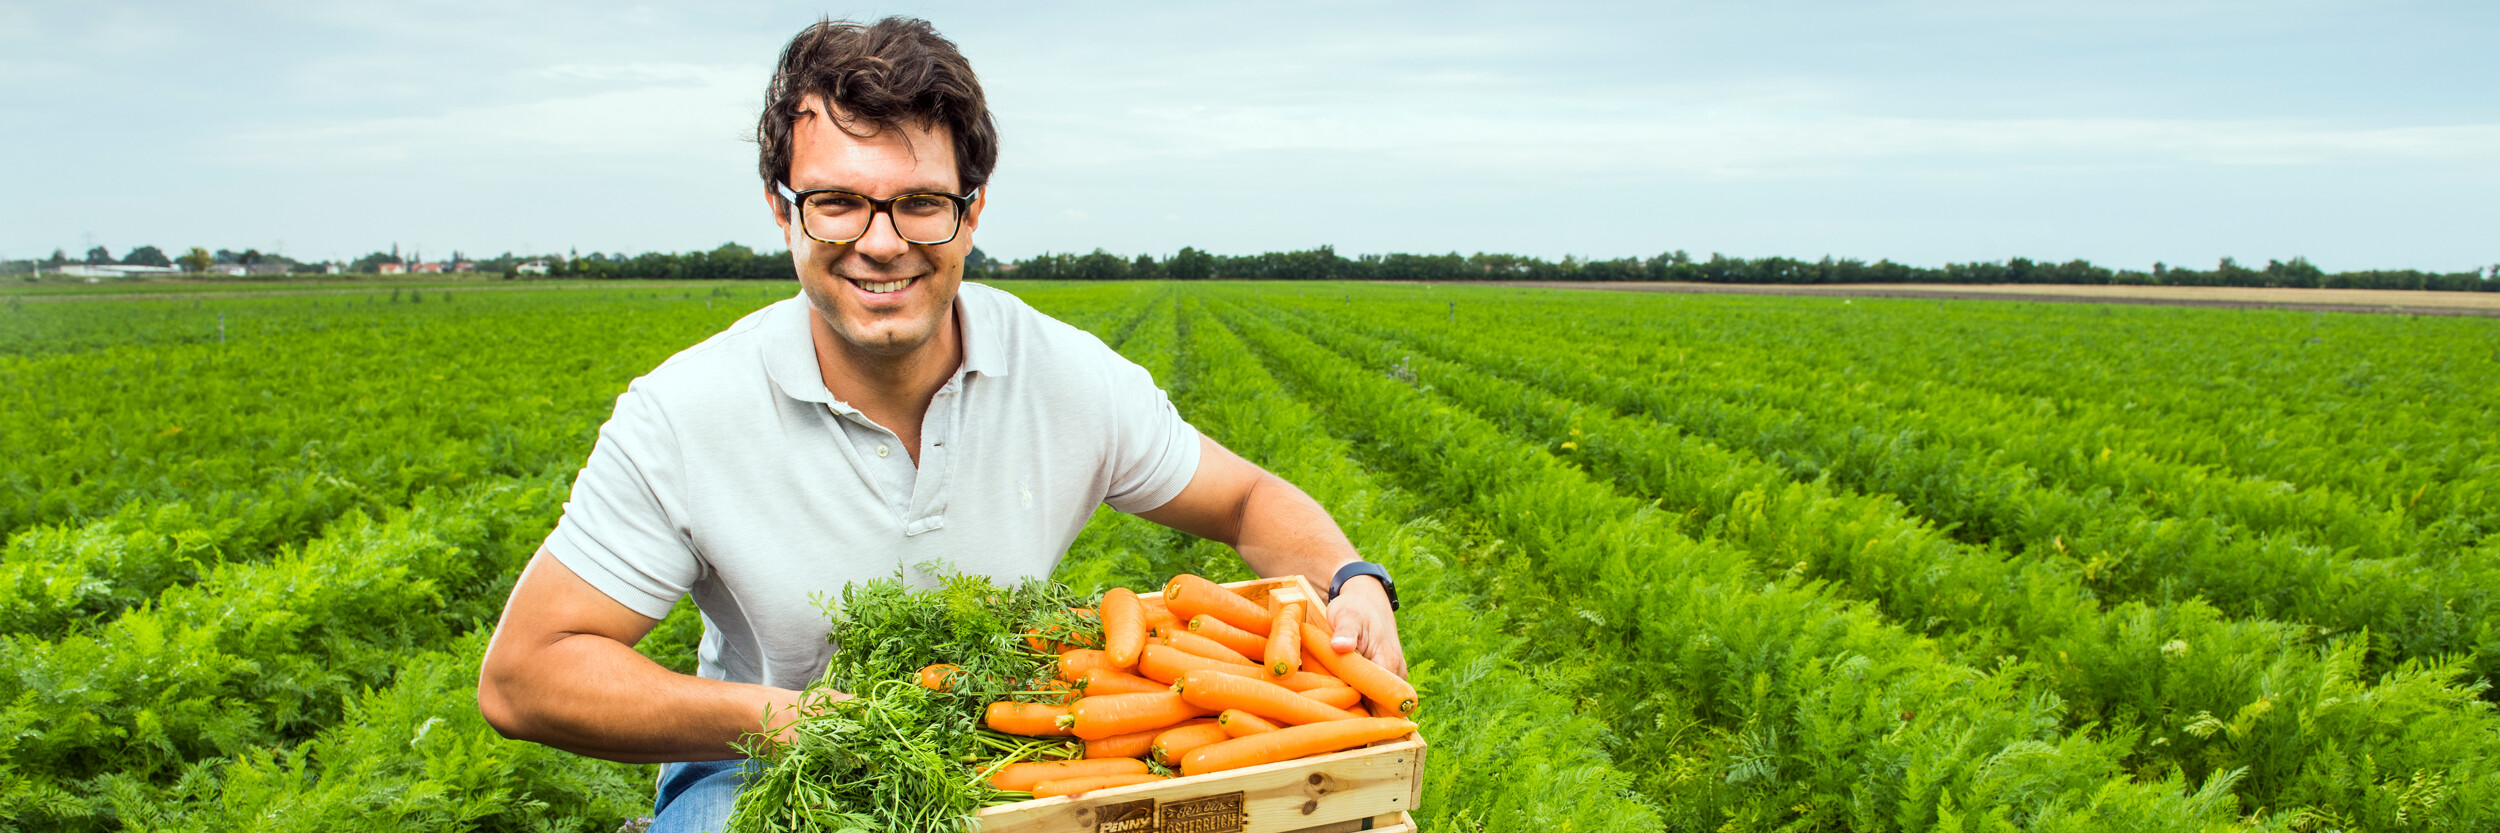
(1694, 562)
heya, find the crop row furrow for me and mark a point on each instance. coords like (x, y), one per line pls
(1750, 702)
(2410, 609)
(2037, 610)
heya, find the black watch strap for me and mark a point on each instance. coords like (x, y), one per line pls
(1364, 568)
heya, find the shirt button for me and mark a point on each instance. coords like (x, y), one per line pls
(882, 450)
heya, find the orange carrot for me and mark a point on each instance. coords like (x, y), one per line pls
(1165, 664)
(1242, 642)
(1205, 647)
(1109, 681)
(1102, 716)
(1190, 595)
(1364, 675)
(1306, 680)
(1178, 740)
(1293, 742)
(1038, 720)
(1284, 641)
(1358, 710)
(1339, 696)
(1074, 664)
(1123, 626)
(1021, 777)
(934, 677)
(1072, 786)
(1242, 724)
(1216, 692)
(1131, 745)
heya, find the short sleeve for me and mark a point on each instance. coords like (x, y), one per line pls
(1154, 452)
(619, 531)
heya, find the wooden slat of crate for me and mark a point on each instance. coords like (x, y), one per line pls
(1400, 822)
(1281, 797)
(1333, 793)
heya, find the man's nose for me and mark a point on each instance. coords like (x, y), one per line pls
(881, 242)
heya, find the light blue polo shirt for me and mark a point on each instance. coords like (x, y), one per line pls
(732, 474)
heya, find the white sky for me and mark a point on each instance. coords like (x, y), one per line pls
(2360, 135)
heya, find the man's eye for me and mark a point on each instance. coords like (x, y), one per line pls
(835, 204)
(922, 205)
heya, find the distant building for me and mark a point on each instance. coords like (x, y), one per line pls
(229, 269)
(464, 266)
(267, 269)
(535, 267)
(330, 269)
(429, 268)
(113, 270)
(389, 268)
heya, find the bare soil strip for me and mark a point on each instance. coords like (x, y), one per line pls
(2387, 301)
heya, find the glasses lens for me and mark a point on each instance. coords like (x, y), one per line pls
(924, 218)
(836, 216)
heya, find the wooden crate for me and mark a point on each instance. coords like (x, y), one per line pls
(1372, 788)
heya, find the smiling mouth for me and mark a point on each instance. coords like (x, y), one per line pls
(881, 288)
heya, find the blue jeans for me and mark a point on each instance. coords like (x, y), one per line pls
(696, 796)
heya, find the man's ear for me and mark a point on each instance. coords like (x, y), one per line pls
(972, 216)
(781, 217)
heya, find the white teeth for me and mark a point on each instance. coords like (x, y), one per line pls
(882, 288)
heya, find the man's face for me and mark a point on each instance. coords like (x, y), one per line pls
(880, 295)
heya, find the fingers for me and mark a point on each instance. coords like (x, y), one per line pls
(1366, 625)
(1389, 654)
(1348, 629)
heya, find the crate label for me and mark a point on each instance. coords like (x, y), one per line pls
(1126, 817)
(1212, 814)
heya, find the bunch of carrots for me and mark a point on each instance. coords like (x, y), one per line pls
(1200, 680)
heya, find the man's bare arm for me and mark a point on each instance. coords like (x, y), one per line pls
(1280, 530)
(562, 671)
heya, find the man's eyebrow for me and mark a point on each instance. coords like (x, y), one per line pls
(922, 188)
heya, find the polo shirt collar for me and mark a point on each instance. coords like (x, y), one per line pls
(790, 351)
(976, 323)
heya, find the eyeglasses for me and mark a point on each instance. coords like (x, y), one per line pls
(840, 217)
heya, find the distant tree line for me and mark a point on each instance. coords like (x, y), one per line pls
(733, 261)
(1324, 263)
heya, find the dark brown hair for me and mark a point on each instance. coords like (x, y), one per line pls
(882, 76)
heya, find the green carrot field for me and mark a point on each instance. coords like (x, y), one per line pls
(1670, 562)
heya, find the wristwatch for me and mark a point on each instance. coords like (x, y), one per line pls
(1364, 568)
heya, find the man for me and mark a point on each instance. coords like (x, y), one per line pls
(889, 416)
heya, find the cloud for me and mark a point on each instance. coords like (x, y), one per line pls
(660, 110)
(1746, 135)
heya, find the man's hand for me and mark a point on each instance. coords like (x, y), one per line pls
(1362, 620)
(789, 706)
